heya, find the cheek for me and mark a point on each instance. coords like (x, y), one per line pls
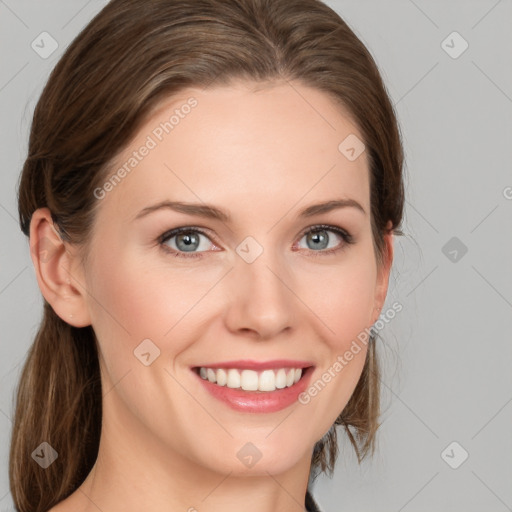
(345, 305)
(131, 301)
(343, 297)
(142, 301)
(134, 298)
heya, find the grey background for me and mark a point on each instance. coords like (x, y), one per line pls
(448, 353)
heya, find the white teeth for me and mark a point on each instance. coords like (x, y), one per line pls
(222, 377)
(233, 379)
(281, 379)
(267, 381)
(250, 380)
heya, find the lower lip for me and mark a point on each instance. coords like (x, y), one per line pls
(258, 401)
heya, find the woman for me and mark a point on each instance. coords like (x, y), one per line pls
(211, 192)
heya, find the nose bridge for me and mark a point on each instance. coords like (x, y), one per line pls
(261, 300)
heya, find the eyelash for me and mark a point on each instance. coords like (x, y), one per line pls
(165, 237)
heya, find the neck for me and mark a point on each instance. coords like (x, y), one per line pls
(131, 474)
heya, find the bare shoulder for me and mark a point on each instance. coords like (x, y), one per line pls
(72, 503)
(60, 507)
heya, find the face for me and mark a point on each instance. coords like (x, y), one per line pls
(266, 295)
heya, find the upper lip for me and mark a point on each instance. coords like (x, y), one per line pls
(249, 364)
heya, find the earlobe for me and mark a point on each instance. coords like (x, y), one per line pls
(55, 265)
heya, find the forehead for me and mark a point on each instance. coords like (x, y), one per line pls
(242, 145)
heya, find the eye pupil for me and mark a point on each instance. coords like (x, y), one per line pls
(191, 241)
(319, 236)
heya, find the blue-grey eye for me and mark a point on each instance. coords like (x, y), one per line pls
(318, 239)
(187, 241)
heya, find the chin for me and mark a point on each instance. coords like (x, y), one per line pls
(259, 457)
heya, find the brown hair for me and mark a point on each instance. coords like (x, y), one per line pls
(128, 59)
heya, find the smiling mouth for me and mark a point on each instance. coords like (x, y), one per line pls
(251, 380)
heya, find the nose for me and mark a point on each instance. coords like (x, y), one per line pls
(261, 302)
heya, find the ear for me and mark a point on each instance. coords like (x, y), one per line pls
(383, 272)
(58, 270)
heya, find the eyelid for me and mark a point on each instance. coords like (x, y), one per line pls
(185, 229)
(328, 227)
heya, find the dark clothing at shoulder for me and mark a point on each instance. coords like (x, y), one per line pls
(311, 505)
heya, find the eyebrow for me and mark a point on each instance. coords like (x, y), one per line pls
(212, 212)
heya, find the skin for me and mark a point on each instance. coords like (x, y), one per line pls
(262, 155)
